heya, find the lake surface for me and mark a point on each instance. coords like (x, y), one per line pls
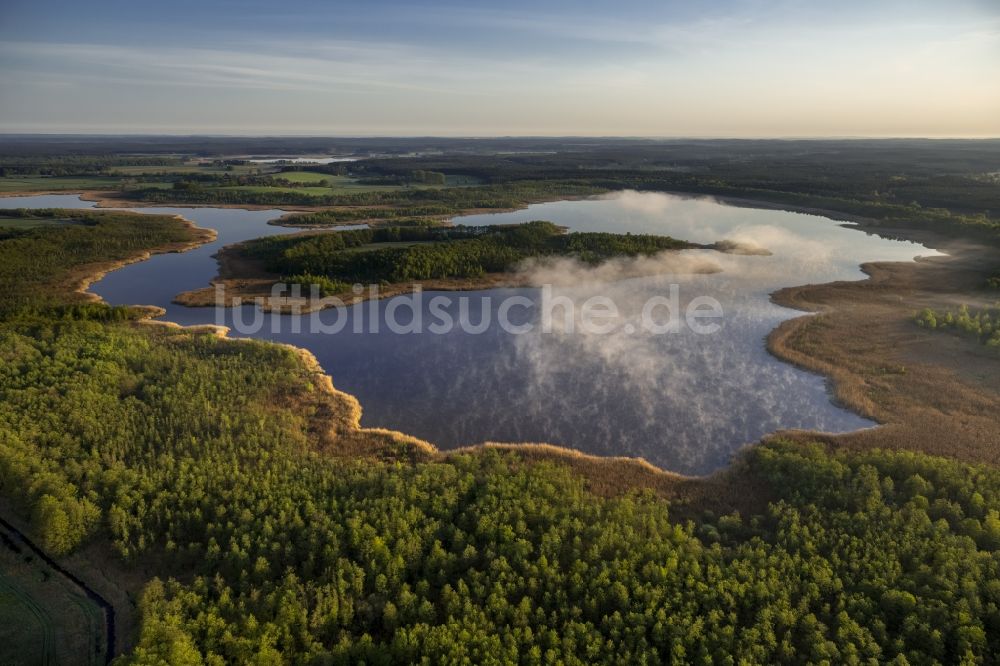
(683, 400)
(303, 160)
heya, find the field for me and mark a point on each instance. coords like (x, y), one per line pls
(185, 169)
(162, 185)
(345, 184)
(53, 183)
(348, 183)
(163, 177)
(268, 189)
(307, 177)
(336, 185)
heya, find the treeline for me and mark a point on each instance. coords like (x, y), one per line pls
(984, 325)
(439, 252)
(516, 193)
(198, 182)
(911, 174)
(418, 176)
(76, 165)
(932, 175)
(331, 169)
(456, 198)
(337, 216)
(978, 225)
(944, 189)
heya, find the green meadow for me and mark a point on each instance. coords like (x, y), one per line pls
(50, 183)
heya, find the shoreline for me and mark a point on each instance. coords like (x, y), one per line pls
(778, 344)
(445, 219)
(645, 473)
(324, 382)
(642, 473)
(763, 204)
(96, 272)
(928, 391)
(245, 282)
(103, 201)
(858, 222)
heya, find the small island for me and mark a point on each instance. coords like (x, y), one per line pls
(448, 258)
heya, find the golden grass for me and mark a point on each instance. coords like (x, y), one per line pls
(931, 391)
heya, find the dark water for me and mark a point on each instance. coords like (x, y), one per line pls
(682, 400)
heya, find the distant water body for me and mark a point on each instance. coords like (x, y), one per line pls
(302, 160)
(681, 400)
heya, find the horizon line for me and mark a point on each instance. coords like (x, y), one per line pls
(634, 137)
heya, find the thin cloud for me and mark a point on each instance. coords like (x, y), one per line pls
(236, 69)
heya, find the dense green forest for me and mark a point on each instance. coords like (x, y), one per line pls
(338, 216)
(164, 444)
(513, 195)
(76, 165)
(876, 557)
(438, 252)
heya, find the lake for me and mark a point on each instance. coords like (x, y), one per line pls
(683, 400)
(301, 160)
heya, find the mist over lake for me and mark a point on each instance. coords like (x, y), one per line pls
(681, 400)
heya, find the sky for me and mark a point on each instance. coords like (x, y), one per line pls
(665, 68)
